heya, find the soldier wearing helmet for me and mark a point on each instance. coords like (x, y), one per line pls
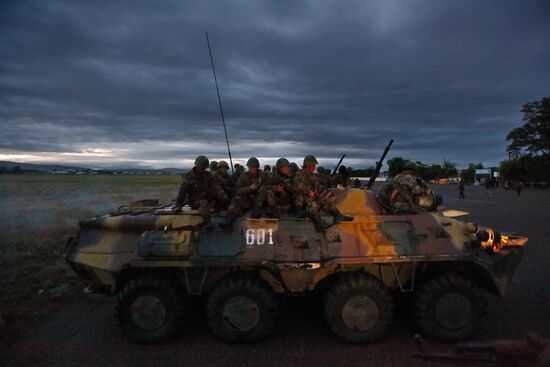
(293, 168)
(224, 179)
(325, 180)
(275, 194)
(246, 191)
(308, 200)
(213, 166)
(197, 186)
(403, 193)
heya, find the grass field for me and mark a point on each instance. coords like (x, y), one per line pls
(38, 213)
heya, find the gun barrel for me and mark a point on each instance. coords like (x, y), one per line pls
(379, 165)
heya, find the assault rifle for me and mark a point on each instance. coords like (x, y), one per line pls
(337, 166)
(379, 166)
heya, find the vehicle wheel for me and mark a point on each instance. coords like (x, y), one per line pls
(241, 309)
(358, 308)
(151, 309)
(449, 307)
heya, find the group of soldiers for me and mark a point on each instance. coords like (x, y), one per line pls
(263, 193)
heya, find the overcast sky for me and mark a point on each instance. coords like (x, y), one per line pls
(129, 84)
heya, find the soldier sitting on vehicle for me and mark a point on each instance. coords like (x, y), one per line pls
(325, 180)
(213, 166)
(293, 169)
(246, 191)
(197, 186)
(406, 194)
(307, 198)
(275, 193)
(224, 179)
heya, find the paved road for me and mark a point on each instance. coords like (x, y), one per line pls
(83, 331)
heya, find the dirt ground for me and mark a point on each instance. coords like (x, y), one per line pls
(81, 330)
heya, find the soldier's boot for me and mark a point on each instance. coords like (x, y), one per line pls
(228, 223)
(338, 218)
(319, 223)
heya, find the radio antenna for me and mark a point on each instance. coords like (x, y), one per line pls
(220, 102)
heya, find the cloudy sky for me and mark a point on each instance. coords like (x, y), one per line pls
(129, 84)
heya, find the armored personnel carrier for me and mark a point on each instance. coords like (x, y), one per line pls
(156, 262)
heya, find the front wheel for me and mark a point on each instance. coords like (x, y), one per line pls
(358, 308)
(241, 309)
(449, 307)
(151, 309)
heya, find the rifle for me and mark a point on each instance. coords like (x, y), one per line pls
(337, 166)
(379, 165)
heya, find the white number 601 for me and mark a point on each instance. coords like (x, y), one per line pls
(257, 236)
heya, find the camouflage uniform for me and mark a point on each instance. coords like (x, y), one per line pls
(196, 188)
(306, 197)
(399, 195)
(325, 180)
(225, 180)
(245, 196)
(270, 196)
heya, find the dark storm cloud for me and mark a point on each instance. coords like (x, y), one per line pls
(444, 79)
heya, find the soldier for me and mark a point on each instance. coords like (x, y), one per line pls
(223, 179)
(325, 181)
(307, 199)
(461, 189)
(293, 168)
(196, 187)
(267, 168)
(246, 191)
(401, 194)
(342, 179)
(213, 166)
(275, 193)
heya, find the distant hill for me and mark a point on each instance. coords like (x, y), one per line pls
(39, 167)
(60, 167)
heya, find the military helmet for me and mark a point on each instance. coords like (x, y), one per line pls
(410, 166)
(223, 164)
(321, 169)
(281, 162)
(201, 161)
(309, 159)
(253, 162)
(213, 165)
(294, 167)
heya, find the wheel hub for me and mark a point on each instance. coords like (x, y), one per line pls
(360, 313)
(148, 312)
(453, 311)
(241, 313)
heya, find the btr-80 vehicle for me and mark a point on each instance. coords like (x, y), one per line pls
(157, 261)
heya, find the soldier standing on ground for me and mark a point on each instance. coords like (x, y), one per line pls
(461, 190)
(275, 194)
(246, 191)
(197, 186)
(307, 200)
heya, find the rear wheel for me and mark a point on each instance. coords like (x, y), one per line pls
(449, 307)
(358, 308)
(242, 309)
(151, 309)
